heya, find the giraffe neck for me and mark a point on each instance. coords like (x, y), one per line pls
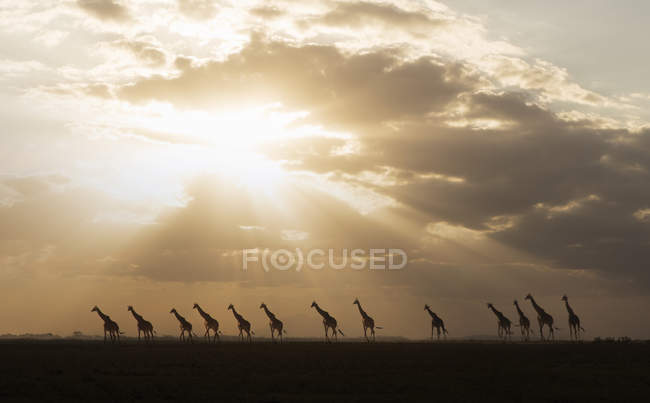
(568, 308)
(268, 313)
(519, 311)
(321, 312)
(102, 315)
(538, 308)
(179, 317)
(361, 311)
(202, 313)
(136, 315)
(497, 313)
(433, 315)
(237, 316)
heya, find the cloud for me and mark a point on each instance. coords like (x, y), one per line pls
(358, 14)
(109, 10)
(199, 9)
(145, 48)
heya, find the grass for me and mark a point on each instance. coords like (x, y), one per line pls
(308, 371)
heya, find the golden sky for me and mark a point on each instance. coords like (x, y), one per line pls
(145, 144)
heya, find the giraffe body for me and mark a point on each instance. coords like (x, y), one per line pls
(574, 321)
(543, 318)
(242, 324)
(210, 324)
(503, 323)
(366, 321)
(110, 326)
(275, 324)
(328, 322)
(436, 323)
(524, 323)
(144, 326)
(185, 326)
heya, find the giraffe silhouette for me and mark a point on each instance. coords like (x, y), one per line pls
(242, 324)
(436, 322)
(366, 321)
(328, 322)
(543, 318)
(524, 323)
(274, 323)
(184, 325)
(144, 326)
(574, 320)
(110, 326)
(210, 324)
(503, 324)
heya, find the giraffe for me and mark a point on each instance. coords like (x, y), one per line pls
(436, 323)
(366, 321)
(184, 325)
(504, 323)
(328, 322)
(144, 326)
(110, 326)
(210, 324)
(275, 323)
(542, 318)
(574, 320)
(242, 324)
(524, 323)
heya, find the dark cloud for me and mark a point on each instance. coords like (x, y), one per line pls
(358, 14)
(419, 124)
(105, 9)
(267, 12)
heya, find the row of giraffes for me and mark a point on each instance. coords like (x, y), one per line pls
(146, 331)
(543, 319)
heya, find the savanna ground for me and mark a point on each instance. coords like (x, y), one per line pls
(310, 371)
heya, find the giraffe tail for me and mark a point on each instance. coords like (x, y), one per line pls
(340, 332)
(557, 328)
(121, 332)
(253, 333)
(582, 328)
(378, 327)
(284, 331)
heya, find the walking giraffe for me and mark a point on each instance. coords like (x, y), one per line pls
(504, 323)
(242, 324)
(184, 325)
(524, 323)
(210, 324)
(436, 323)
(366, 321)
(574, 320)
(110, 326)
(328, 322)
(144, 326)
(275, 324)
(543, 319)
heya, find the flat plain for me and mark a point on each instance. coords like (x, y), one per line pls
(319, 372)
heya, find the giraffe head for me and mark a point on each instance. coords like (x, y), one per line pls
(231, 307)
(529, 296)
(356, 301)
(426, 307)
(514, 303)
(565, 298)
(314, 304)
(173, 310)
(95, 309)
(130, 308)
(195, 306)
(263, 305)
(490, 306)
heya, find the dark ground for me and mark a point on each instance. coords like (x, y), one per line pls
(300, 371)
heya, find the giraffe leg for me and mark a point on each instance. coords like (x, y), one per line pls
(365, 333)
(272, 336)
(372, 331)
(432, 331)
(438, 332)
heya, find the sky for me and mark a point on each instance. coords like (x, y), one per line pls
(504, 146)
